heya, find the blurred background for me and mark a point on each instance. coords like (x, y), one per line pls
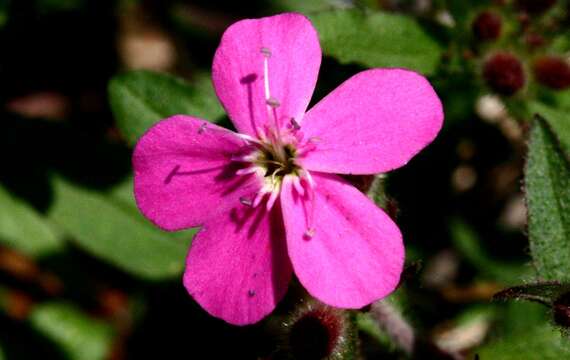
(84, 276)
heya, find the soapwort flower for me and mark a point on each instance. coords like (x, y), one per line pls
(268, 198)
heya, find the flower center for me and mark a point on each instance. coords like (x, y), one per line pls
(278, 164)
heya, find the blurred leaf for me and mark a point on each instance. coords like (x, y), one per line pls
(369, 326)
(4, 5)
(468, 244)
(122, 194)
(395, 307)
(463, 12)
(77, 335)
(560, 43)
(141, 98)
(547, 182)
(24, 230)
(50, 6)
(537, 342)
(558, 120)
(519, 316)
(544, 293)
(560, 98)
(377, 40)
(117, 235)
(305, 7)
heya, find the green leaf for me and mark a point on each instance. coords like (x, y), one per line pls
(77, 335)
(547, 182)
(468, 244)
(517, 317)
(366, 324)
(47, 7)
(545, 293)
(537, 342)
(24, 230)
(117, 234)
(559, 98)
(305, 7)
(4, 4)
(377, 40)
(141, 98)
(558, 120)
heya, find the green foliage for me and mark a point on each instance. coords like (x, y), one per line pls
(544, 293)
(377, 40)
(469, 245)
(51, 6)
(547, 183)
(141, 98)
(3, 16)
(537, 342)
(305, 7)
(522, 332)
(77, 335)
(116, 234)
(558, 121)
(366, 324)
(24, 230)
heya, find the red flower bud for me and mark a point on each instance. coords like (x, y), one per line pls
(535, 6)
(534, 40)
(504, 73)
(553, 72)
(317, 331)
(487, 26)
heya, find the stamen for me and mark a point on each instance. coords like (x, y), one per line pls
(245, 201)
(273, 180)
(295, 124)
(270, 162)
(272, 199)
(309, 179)
(310, 233)
(246, 171)
(298, 186)
(266, 52)
(309, 205)
(249, 139)
(266, 55)
(273, 102)
(261, 133)
(243, 158)
(258, 197)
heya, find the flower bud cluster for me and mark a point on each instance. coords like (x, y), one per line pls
(505, 71)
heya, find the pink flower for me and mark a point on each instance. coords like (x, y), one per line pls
(267, 198)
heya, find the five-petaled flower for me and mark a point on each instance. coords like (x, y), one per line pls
(268, 199)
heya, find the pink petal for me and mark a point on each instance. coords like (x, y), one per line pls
(183, 172)
(355, 254)
(374, 122)
(294, 64)
(238, 268)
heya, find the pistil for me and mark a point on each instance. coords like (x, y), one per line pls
(273, 156)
